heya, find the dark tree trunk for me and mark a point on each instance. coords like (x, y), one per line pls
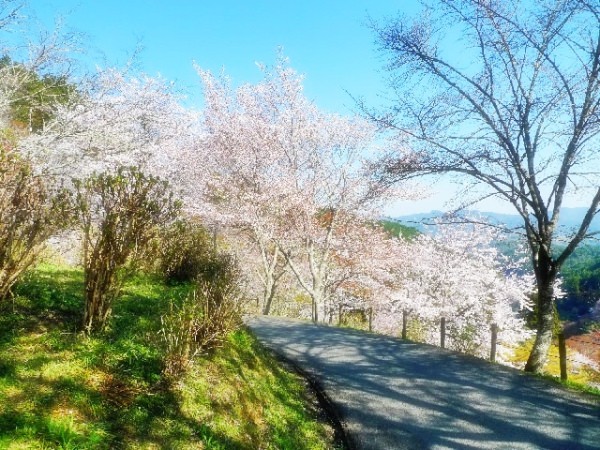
(521, 78)
(545, 277)
(94, 314)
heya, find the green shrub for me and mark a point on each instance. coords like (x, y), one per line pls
(184, 251)
(119, 214)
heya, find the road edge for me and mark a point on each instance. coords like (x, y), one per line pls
(332, 413)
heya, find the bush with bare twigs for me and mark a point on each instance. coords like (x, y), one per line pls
(119, 214)
(30, 212)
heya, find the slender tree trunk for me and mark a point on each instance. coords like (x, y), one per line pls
(268, 295)
(91, 315)
(319, 308)
(7, 280)
(271, 274)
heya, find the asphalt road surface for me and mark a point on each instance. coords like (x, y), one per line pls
(392, 394)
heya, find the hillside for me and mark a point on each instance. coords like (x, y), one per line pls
(61, 389)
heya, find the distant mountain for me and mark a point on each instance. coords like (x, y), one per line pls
(570, 219)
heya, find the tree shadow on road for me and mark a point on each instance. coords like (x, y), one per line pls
(399, 394)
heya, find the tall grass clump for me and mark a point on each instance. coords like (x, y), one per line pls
(203, 319)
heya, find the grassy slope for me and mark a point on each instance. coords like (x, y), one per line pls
(59, 389)
(580, 377)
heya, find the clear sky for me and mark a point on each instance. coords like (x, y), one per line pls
(329, 41)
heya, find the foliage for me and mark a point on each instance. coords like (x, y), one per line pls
(581, 277)
(355, 318)
(34, 96)
(396, 229)
(591, 327)
(185, 248)
(30, 212)
(60, 389)
(201, 320)
(34, 69)
(118, 215)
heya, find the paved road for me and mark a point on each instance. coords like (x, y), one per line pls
(393, 394)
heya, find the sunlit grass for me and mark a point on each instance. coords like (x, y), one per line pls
(579, 377)
(242, 381)
(61, 389)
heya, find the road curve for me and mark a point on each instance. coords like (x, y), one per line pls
(393, 394)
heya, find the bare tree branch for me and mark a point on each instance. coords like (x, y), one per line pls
(517, 109)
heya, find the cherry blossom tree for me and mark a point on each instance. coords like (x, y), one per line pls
(114, 120)
(73, 123)
(237, 168)
(363, 260)
(458, 274)
(340, 260)
(284, 173)
(35, 67)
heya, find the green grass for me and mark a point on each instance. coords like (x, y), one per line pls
(242, 381)
(61, 389)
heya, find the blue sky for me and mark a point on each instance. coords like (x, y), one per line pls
(328, 41)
